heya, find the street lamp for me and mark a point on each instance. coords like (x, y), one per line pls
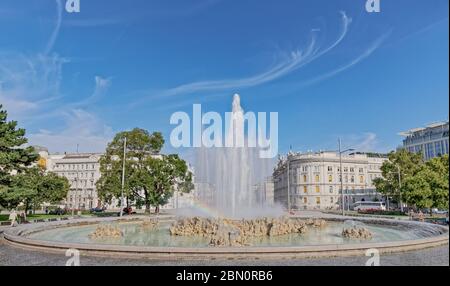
(341, 176)
(399, 187)
(123, 174)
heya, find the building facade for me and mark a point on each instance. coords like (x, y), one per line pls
(264, 192)
(430, 141)
(314, 179)
(82, 170)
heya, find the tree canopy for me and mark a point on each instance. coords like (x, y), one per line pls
(14, 158)
(150, 177)
(423, 184)
(34, 187)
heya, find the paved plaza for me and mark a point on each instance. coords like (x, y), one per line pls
(437, 256)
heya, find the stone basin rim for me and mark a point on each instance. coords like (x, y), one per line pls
(17, 237)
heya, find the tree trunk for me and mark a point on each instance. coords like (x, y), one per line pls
(157, 210)
(147, 202)
(26, 207)
(147, 207)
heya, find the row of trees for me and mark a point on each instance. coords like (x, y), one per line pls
(21, 180)
(150, 178)
(407, 178)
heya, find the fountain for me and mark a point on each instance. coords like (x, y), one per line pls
(234, 221)
(227, 176)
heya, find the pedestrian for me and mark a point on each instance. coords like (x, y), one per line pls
(13, 217)
(22, 217)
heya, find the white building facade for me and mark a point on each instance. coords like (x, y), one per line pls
(430, 141)
(314, 180)
(82, 170)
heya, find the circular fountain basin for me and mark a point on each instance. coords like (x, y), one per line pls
(138, 241)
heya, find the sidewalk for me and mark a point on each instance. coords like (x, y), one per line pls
(3, 228)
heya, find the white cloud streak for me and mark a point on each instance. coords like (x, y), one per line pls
(82, 128)
(54, 35)
(372, 48)
(296, 60)
(365, 142)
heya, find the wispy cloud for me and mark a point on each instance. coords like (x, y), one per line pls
(372, 48)
(294, 61)
(80, 128)
(30, 92)
(54, 35)
(101, 87)
(364, 142)
(29, 83)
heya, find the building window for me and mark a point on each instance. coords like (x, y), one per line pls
(317, 178)
(331, 200)
(305, 178)
(352, 169)
(317, 189)
(305, 200)
(361, 179)
(330, 178)
(305, 189)
(437, 148)
(318, 200)
(345, 169)
(361, 170)
(429, 152)
(330, 169)
(331, 189)
(352, 179)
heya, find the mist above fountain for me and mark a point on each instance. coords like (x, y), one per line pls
(227, 177)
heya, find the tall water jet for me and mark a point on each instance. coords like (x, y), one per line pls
(227, 177)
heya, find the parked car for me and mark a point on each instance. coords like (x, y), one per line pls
(97, 210)
(437, 211)
(364, 206)
(58, 211)
(127, 211)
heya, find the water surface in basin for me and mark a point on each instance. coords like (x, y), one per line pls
(136, 235)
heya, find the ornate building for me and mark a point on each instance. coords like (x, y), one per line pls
(314, 179)
(82, 170)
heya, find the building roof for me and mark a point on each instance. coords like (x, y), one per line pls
(414, 130)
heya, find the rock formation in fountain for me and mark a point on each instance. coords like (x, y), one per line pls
(106, 231)
(357, 232)
(229, 232)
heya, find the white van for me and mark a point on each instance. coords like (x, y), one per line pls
(362, 206)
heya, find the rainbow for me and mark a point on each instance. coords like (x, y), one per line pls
(206, 210)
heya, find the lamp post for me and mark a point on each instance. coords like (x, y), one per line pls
(341, 176)
(123, 174)
(400, 187)
(288, 186)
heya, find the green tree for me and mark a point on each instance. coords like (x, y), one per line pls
(429, 187)
(168, 174)
(150, 176)
(13, 157)
(402, 161)
(34, 187)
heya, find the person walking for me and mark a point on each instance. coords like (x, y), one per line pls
(13, 217)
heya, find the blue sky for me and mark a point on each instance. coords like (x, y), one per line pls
(328, 67)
